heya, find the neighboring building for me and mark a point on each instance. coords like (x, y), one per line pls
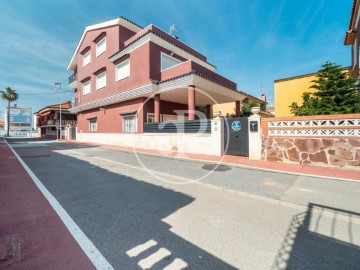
(126, 75)
(20, 121)
(48, 119)
(289, 90)
(352, 37)
(2, 127)
(229, 109)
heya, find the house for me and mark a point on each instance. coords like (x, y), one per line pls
(352, 38)
(48, 119)
(20, 121)
(125, 76)
(229, 109)
(291, 89)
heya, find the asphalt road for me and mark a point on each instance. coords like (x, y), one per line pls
(150, 212)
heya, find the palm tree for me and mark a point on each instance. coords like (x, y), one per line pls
(10, 95)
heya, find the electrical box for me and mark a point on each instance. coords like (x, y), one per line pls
(254, 126)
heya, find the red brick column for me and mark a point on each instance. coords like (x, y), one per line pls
(191, 102)
(237, 108)
(157, 107)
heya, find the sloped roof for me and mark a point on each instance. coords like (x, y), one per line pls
(64, 106)
(118, 21)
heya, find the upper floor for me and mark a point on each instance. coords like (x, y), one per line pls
(119, 55)
(352, 38)
(50, 115)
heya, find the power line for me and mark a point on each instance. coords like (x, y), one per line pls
(45, 93)
(209, 19)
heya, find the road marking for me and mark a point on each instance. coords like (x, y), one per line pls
(97, 259)
(148, 262)
(177, 264)
(141, 248)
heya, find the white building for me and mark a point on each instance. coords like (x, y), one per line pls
(20, 121)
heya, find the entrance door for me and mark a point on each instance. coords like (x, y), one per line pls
(236, 136)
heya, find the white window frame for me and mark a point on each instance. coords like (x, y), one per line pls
(92, 126)
(164, 55)
(356, 53)
(97, 80)
(85, 84)
(98, 52)
(148, 115)
(120, 65)
(87, 54)
(124, 128)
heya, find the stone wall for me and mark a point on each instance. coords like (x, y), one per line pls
(334, 152)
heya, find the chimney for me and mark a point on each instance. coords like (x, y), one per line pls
(263, 97)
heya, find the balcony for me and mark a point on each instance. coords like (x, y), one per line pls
(73, 81)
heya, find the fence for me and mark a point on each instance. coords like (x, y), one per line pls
(187, 126)
(332, 140)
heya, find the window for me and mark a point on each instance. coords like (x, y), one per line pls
(93, 124)
(167, 61)
(122, 70)
(101, 80)
(150, 117)
(87, 87)
(101, 46)
(130, 123)
(86, 58)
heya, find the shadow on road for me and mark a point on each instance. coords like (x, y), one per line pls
(317, 241)
(121, 215)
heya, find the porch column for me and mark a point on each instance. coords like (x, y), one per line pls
(157, 108)
(208, 111)
(191, 102)
(237, 108)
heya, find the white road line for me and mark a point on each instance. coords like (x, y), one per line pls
(148, 262)
(97, 259)
(177, 264)
(141, 248)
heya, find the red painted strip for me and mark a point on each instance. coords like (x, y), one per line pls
(45, 241)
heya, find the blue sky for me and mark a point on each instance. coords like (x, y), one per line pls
(252, 42)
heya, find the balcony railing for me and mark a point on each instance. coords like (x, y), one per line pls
(72, 78)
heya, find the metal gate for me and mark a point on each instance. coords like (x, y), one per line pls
(73, 133)
(236, 136)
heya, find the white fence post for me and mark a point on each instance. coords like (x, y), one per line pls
(217, 135)
(255, 135)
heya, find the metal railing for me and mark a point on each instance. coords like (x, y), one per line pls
(72, 78)
(179, 126)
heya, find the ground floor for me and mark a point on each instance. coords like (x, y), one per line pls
(141, 211)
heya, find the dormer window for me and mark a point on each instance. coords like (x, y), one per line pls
(168, 61)
(101, 46)
(86, 58)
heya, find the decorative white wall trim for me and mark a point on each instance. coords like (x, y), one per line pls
(315, 132)
(326, 128)
(315, 123)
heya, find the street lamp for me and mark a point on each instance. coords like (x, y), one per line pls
(60, 124)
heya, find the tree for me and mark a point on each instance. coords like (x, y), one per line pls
(10, 95)
(246, 109)
(336, 93)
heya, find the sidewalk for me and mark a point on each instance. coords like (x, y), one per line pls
(29, 227)
(331, 172)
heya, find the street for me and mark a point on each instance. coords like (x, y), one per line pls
(144, 211)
